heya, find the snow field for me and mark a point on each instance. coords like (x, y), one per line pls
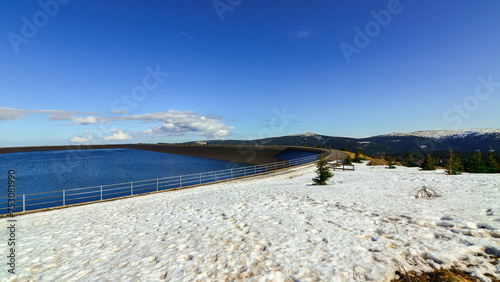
(364, 225)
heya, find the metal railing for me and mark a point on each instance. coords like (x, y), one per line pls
(103, 192)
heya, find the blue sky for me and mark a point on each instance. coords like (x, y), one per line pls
(172, 71)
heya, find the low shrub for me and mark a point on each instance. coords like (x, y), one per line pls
(426, 193)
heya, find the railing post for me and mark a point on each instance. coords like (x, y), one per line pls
(255, 170)
(24, 203)
(244, 171)
(180, 181)
(156, 184)
(101, 192)
(215, 176)
(64, 197)
(200, 178)
(231, 173)
(131, 189)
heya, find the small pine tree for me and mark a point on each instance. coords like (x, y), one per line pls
(390, 161)
(491, 163)
(429, 163)
(357, 156)
(348, 160)
(477, 164)
(344, 149)
(323, 172)
(409, 160)
(454, 164)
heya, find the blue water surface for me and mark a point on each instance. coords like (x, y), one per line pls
(47, 179)
(44, 171)
(291, 154)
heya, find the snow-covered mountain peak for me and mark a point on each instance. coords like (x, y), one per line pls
(307, 134)
(440, 134)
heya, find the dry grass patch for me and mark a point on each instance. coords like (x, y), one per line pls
(375, 162)
(451, 275)
(352, 155)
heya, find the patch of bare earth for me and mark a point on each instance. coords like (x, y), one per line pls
(440, 275)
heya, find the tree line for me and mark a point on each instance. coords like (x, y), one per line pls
(454, 162)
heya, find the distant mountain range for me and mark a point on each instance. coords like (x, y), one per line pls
(431, 140)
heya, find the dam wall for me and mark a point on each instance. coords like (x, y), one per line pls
(237, 153)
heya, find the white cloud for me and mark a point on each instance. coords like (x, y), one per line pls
(117, 134)
(66, 115)
(78, 139)
(85, 138)
(172, 122)
(303, 34)
(11, 114)
(85, 120)
(52, 115)
(178, 123)
(119, 112)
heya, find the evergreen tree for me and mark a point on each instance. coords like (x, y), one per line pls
(344, 149)
(491, 162)
(357, 156)
(390, 161)
(348, 160)
(409, 160)
(322, 171)
(477, 164)
(454, 164)
(429, 163)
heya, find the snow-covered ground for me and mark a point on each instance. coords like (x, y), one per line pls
(365, 224)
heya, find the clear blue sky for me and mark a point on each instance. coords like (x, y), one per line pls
(171, 71)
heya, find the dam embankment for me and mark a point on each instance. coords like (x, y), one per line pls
(255, 155)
